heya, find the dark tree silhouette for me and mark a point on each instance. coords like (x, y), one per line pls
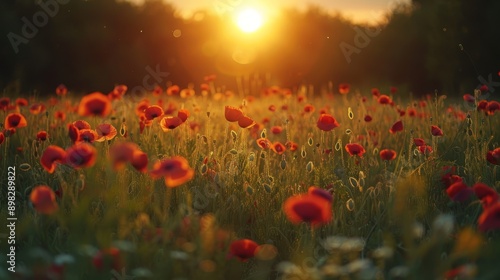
(94, 44)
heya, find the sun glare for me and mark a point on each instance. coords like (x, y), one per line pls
(249, 20)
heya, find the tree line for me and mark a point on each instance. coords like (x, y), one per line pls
(445, 45)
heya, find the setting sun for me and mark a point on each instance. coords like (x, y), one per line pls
(249, 20)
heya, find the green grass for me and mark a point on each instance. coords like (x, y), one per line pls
(390, 207)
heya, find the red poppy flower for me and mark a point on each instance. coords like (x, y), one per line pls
(243, 249)
(490, 218)
(187, 92)
(94, 104)
(355, 149)
(4, 103)
(276, 129)
(183, 114)
(105, 131)
(310, 209)
(52, 102)
(173, 90)
(492, 107)
(232, 114)
(436, 131)
(61, 90)
(418, 142)
(481, 105)
(460, 272)
(459, 192)
(210, 78)
(344, 88)
(142, 125)
(157, 90)
(108, 258)
(194, 126)
(139, 161)
(264, 143)
(320, 193)
(426, 149)
(2, 138)
(292, 146)
(326, 122)
(118, 92)
(448, 178)
(278, 148)
(121, 153)
(153, 112)
(387, 154)
(246, 122)
(51, 156)
(309, 108)
(87, 135)
(37, 108)
(141, 107)
(120, 89)
(176, 171)
(494, 156)
(73, 133)
(393, 90)
(469, 98)
(384, 99)
(81, 124)
(412, 112)
(396, 127)
(21, 102)
(60, 115)
(487, 195)
(272, 108)
(15, 120)
(42, 135)
(401, 112)
(483, 88)
(375, 92)
(169, 123)
(9, 131)
(43, 199)
(81, 155)
(368, 118)
(204, 87)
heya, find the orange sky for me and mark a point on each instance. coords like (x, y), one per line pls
(357, 10)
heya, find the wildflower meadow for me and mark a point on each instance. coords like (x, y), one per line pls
(258, 182)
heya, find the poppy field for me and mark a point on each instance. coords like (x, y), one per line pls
(259, 182)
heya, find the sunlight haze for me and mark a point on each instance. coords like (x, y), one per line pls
(357, 10)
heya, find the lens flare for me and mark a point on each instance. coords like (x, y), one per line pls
(249, 20)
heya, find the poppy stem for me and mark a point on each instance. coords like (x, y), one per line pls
(434, 144)
(324, 140)
(189, 203)
(166, 203)
(312, 235)
(386, 177)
